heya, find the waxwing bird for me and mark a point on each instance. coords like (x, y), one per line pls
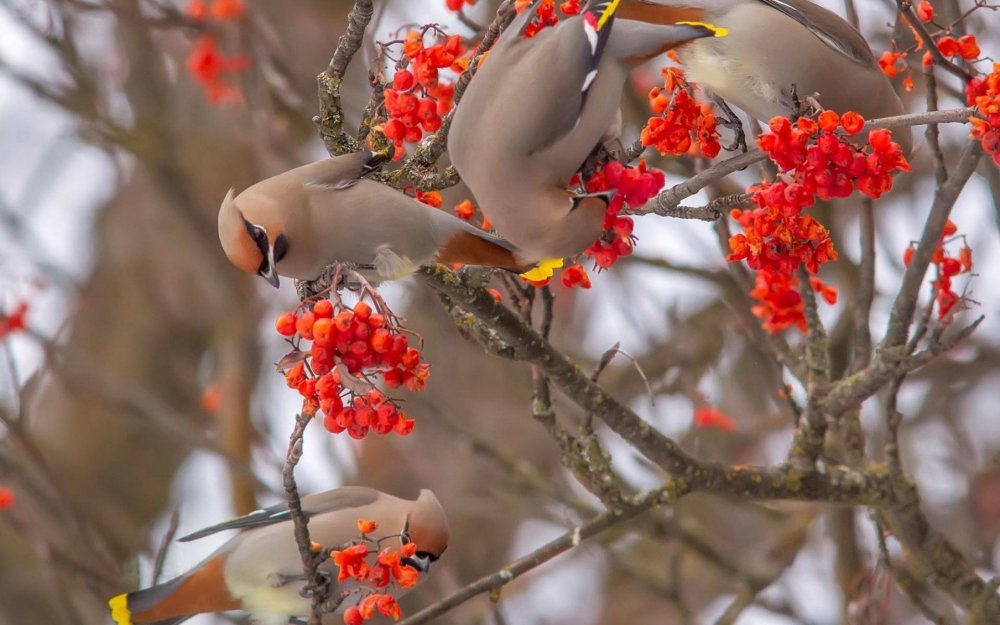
(778, 49)
(298, 222)
(259, 569)
(535, 111)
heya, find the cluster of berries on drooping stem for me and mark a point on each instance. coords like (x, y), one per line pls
(683, 125)
(374, 578)
(815, 162)
(964, 47)
(210, 67)
(948, 267)
(545, 14)
(418, 96)
(984, 94)
(351, 350)
(626, 186)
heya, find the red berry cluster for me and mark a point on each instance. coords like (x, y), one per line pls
(15, 320)
(633, 186)
(366, 345)
(418, 97)
(209, 66)
(777, 237)
(947, 268)
(965, 47)
(388, 568)
(684, 126)
(828, 166)
(984, 94)
(545, 14)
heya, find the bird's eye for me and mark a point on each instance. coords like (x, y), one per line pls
(258, 234)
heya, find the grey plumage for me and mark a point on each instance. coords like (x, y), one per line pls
(775, 44)
(296, 223)
(534, 112)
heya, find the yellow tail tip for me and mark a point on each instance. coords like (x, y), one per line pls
(543, 270)
(119, 610)
(718, 31)
(607, 13)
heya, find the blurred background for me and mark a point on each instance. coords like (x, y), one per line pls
(142, 395)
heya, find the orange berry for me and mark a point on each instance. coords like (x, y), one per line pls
(304, 326)
(362, 311)
(285, 324)
(322, 328)
(852, 122)
(323, 309)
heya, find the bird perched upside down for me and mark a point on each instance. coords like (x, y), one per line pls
(298, 222)
(777, 50)
(259, 570)
(535, 111)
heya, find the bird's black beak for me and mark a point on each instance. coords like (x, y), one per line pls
(421, 563)
(270, 272)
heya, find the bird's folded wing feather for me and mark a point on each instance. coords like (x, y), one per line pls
(340, 499)
(829, 28)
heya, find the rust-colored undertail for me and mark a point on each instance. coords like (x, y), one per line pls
(468, 249)
(202, 591)
(657, 13)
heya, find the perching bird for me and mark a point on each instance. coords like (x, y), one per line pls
(259, 569)
(535, 111)
(298, 222)
(773, 46)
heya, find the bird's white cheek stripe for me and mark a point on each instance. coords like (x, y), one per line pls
(591, 33)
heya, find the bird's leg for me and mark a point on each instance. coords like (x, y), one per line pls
(322, 586)
(804, 106)
(731, 121)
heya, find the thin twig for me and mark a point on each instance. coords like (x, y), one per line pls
(543, 554)
(944, 200)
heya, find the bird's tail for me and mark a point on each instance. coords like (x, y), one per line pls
(471, 246)
(202, 590)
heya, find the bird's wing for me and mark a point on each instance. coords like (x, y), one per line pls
(575, 48)
(828, 27)
(339, 499)
(341, 172)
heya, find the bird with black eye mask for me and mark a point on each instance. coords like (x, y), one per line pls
(259, 569)
(298, 222)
